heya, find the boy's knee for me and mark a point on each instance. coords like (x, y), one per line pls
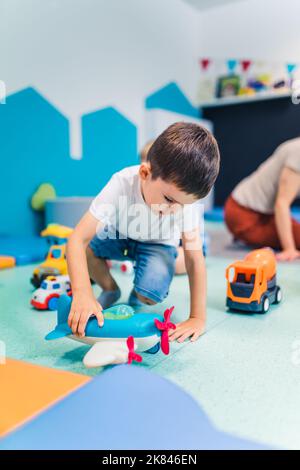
(149, 296)
(145, 300)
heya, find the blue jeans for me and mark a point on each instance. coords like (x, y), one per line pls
(154, 263)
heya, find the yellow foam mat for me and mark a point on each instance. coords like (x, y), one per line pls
(27, 389)
(7, 262)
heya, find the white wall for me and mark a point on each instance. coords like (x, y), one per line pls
(86, 54)
(259, 29)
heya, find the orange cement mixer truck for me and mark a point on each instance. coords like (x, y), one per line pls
(251, 283)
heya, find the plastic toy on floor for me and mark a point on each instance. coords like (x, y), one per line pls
(251, 283)
(56, 234)
(54, 265)
(111, 344)
(46, 296)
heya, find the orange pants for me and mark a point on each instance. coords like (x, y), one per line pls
(254, 228)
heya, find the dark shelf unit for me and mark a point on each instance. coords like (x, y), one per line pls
(248, 133)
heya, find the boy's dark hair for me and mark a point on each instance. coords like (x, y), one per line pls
(187, 155)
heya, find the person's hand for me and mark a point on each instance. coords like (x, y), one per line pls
(191, 328)
(83, 307)
(288, 255)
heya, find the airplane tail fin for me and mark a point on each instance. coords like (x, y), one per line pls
(62, 329)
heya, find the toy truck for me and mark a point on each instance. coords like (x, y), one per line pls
(54, 265)
(251, 283)
(46, 296)
(56, 234)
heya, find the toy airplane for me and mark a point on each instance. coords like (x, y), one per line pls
(123, 333)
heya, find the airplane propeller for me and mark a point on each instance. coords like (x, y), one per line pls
(132, 355)
(165, 327)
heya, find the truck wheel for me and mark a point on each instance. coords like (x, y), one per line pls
(35, 281)
(278, 295)
(265, 304)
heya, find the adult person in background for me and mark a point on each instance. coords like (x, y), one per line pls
(258, 211)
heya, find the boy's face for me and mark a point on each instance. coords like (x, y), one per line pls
(163, 197)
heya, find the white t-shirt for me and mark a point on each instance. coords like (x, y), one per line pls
(120, 206)
(259, 190)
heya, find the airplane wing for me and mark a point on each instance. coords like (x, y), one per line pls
(60, 332)
(104, 353)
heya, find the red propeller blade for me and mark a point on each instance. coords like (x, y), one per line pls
(164, 327)
(132, 355)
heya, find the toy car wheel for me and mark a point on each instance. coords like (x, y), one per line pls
(35, 281)
(265, 304)
(52, 304)
(278, 296)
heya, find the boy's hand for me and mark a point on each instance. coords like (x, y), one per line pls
(193, 327)
(288, 255)
(83, 307)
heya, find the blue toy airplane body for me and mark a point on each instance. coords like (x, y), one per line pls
(110, 342)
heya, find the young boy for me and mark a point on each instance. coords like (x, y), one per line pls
(258, 211)
(141, 214)
(180, 262)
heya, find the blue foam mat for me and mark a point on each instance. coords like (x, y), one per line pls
(126, 407)
(25, 250)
